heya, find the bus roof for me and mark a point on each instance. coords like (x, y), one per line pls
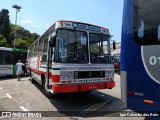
(12, 49)
(79, 22)
(53, 25)
(6, 49)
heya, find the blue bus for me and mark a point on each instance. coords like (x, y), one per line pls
(140, 55)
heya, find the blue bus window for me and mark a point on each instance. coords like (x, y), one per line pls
(146, 22)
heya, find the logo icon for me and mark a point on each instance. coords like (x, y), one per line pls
(6, 114)
(90, 74)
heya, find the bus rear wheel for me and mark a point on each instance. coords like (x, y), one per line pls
(32, 80)
(46, 93)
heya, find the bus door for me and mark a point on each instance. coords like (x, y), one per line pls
(50, 58)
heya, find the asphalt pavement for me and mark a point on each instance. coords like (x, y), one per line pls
(23, 96)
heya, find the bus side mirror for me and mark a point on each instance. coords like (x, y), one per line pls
(114, 45)
(52, 40)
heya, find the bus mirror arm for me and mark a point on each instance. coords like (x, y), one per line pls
(48, 92)
(53, 40)
(114, 45)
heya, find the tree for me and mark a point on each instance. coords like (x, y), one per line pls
(3, 41)
(23, 37)
(29, 40)
(35, 36)
(21, 44)
(5, 28)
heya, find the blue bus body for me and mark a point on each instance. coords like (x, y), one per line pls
(142, 92)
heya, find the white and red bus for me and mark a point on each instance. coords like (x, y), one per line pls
(72, 57)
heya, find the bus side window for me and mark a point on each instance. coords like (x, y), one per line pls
(146, 22)
(39, 50)
(53, 53)
(2, 61)
(44, 58)
(1, 58)
(45, 47)
(44, 54)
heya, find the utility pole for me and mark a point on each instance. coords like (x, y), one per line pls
(17, 10)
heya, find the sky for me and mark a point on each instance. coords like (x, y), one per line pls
(38, 15)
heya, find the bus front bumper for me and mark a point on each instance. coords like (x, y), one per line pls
(82, 87)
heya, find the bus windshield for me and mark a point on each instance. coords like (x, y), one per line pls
(99, 48)
(72, 47)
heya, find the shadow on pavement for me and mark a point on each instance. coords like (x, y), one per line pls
(91, 104)
(12, 77)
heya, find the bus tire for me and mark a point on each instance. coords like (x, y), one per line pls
(32, 80)
(46, 93)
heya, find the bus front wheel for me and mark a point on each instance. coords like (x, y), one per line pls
(46, 93)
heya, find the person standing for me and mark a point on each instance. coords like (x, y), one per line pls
(19, 69)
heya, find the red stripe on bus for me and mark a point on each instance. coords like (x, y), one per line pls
(55, 78)
(130, 92)
(93, 86)
(36, 71)
(65, 88)
(110, 84)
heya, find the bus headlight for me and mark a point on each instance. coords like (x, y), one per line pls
(109, 73)
(63, 74)
(69, 74)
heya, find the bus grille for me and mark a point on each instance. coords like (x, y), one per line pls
(89, 74)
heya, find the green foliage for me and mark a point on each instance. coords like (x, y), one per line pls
(3, 41)
(5, 25)
(35, 36)
(28, 39)
(95, 48)
(21, 44)
(23, 37)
